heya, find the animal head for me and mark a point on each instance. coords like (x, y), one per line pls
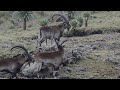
(27, 56)
(66, 23)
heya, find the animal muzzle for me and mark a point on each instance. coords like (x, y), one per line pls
(68, 28)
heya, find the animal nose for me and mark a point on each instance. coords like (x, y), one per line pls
(68, 28)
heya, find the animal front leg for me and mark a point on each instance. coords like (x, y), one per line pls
(41, 41)
(53, 71)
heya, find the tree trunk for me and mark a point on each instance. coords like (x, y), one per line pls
(86, 22)
(24, 24)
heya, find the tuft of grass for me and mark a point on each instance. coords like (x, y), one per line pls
(44, 22)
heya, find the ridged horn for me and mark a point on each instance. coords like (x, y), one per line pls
(29, 57)
(65, 19)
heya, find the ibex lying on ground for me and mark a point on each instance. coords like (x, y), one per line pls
(54, 59)
(13, 65)
(56, 31)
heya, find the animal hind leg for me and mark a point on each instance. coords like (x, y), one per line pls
(46, 41)
(37, 44)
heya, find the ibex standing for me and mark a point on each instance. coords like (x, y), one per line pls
(13, 65)
(56, 31)
(51, 58)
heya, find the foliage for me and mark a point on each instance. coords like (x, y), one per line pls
(43, 22)
(86, 15)
(73, 23)
(79, 20)
(22, 16)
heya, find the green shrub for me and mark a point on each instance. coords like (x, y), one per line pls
(23, 16)
(79, 20)
(86, 14)
(43, 22)
(73, 23)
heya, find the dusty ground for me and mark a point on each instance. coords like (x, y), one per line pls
(96, 65)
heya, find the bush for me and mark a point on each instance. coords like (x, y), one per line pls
(43, 22)
(73, 23)
(86, 14)
(79, 20)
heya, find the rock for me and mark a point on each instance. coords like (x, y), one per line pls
(113, 60)
(32, 69)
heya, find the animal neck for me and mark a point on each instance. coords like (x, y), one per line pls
(60, 48)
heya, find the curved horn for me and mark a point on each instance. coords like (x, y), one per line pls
(29, 57)
(65, 19)
(63, 42)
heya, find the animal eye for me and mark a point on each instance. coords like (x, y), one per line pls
(64, 23)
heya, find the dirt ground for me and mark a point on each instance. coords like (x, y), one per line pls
(95, 66)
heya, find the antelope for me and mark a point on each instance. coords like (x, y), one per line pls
(13, 65)
(56, 31)
(54, 59)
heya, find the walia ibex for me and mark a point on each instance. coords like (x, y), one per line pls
(56, 31)
(13, 65)
(54, 59)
